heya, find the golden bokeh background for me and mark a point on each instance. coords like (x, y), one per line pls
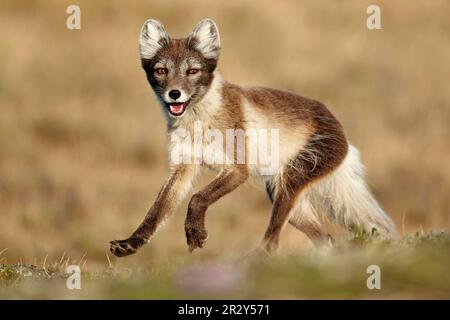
(82, 139)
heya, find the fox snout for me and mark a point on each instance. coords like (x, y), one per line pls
(176, 95)
(177, 101)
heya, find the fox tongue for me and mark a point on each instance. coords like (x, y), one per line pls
(177, 108)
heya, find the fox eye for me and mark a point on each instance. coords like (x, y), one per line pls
(192, 71)
(161, 71)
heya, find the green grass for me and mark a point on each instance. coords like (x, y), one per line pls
(413, 267)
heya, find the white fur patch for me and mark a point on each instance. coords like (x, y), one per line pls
(207, 38)
(291, 140)
(151, 38)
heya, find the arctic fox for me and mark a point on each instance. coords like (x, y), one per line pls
(316, 170)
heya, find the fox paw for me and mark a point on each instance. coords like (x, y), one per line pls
(196, 237)
(122, 248)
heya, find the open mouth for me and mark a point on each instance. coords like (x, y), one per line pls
(177, 109)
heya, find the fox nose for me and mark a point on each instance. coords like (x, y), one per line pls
(174, 94)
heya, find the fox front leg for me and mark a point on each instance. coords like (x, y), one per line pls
(227, 180)
(172, 193)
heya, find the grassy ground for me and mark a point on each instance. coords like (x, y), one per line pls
(414, 267)
(82, 141)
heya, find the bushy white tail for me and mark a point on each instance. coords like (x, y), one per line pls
(346, 199)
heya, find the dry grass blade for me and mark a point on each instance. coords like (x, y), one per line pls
(82, 257)
(62, 259)
(110, 265)
(44, 266)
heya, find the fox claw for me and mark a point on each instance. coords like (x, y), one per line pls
(123, 248)
(196, 238)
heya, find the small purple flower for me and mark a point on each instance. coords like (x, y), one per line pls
(209, 278)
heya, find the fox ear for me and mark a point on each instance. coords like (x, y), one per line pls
(205, 38)
(152, 38)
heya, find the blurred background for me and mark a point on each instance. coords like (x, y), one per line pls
(83, 143)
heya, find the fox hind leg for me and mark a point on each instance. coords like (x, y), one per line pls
(303, 218)
(284, 200)
(319, 157)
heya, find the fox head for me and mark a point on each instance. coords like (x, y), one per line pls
(180, 71)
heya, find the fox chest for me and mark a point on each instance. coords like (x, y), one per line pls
(200, 146)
